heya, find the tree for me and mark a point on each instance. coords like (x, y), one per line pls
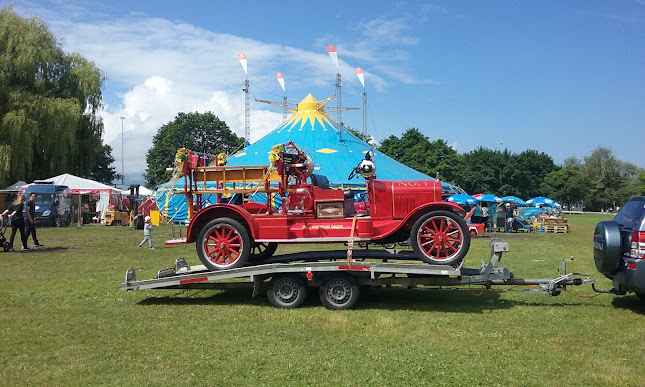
(102, 170)
(49, 103)
(567, 186)
(366, 138)
(481, 171)
(524, 173)
(416, 151)
(200, 132)
(613, 181)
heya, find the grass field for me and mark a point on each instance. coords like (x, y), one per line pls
(64, 321)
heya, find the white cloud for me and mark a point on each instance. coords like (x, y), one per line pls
(157, 68)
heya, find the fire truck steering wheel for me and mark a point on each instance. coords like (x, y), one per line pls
(354, 171)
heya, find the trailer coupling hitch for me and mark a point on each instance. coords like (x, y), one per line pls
(555, 286)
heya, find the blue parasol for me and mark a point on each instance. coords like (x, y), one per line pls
(541, 201)
(489, 198)
(515, 199)
(463, 199)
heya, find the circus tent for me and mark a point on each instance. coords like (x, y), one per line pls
(334, 150)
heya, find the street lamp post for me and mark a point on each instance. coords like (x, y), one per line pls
(122, 158)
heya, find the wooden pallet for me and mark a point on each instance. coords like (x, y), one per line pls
(557, 229)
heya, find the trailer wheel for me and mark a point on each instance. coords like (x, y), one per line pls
(260, 252)
(223, 244)
(440, 237)
(287, 291)
(340, 292)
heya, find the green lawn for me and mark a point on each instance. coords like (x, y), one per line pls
(64, 321)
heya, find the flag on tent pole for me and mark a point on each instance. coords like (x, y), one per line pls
(332, 53)
(360, 75)
(280, 79)
(242, 57)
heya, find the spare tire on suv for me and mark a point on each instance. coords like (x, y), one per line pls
(607, 247)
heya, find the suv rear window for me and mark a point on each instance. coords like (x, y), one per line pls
(631, 215)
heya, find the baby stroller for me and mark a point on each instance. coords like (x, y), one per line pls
(3, 240)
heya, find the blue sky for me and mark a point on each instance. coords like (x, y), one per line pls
(560, 77)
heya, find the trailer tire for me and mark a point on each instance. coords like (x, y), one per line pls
(223, 244)
(260, 252)
(287, 291)
(440, 237)
(340, 292)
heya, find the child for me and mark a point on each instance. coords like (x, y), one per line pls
(147, 233)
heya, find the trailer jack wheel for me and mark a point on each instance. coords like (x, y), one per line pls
(340, 292)
(287, 291)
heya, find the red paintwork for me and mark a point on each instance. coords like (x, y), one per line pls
(395, 204)
(321, 215)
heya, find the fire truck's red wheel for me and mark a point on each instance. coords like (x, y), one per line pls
(223, 244)
(260, 252)
(440, 237)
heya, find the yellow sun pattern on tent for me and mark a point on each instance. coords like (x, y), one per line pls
(309, 111)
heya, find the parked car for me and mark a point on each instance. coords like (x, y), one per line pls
(53, 203)
(619, 248)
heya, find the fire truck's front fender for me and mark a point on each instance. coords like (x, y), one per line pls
(424, 209)
(220, 211)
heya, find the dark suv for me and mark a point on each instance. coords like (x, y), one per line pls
(619, 248)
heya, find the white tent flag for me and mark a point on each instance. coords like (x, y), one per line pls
(331, 50)
(280, 79)
(360, 75)
(242, 57)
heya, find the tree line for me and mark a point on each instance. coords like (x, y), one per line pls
(49, 105)
(598, 181)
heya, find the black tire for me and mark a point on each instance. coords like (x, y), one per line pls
(607, 247)
(287, 291)
(260, 252)
(440, 237)
(340, 292)
(223, 244)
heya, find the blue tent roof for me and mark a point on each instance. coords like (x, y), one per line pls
(334, 150)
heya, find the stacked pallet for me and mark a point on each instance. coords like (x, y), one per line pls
(555, 225)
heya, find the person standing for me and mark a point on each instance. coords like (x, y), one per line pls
(485, 213)
(510, 215)
(17, 221)
(147, 233)
(30, 212)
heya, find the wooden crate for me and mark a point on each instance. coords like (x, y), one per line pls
(561, 229)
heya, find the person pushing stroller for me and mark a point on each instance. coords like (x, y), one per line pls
(17, 221)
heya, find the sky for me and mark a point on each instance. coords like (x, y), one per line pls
(559, 77)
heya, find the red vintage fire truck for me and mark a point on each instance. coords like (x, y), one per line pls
(231, 235)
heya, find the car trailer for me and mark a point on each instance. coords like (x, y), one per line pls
(288, 278)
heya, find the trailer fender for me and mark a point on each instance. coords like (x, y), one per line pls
(221, 211)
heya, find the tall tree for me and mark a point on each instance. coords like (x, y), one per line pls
(481, 171)
(566, 186)
(416, 151)
(49, 103)
(200, 132)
